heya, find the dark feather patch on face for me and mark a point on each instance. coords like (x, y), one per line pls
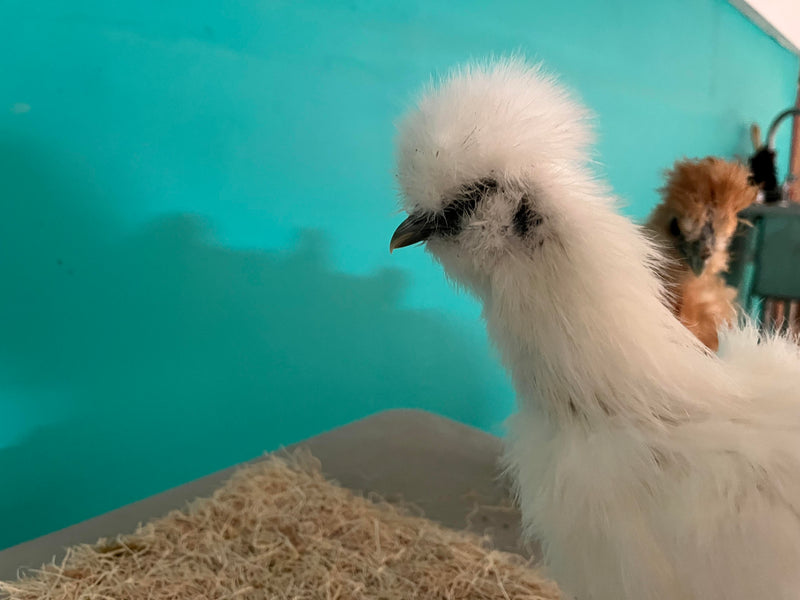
(674, 229)
(450, 221)
(525, 218)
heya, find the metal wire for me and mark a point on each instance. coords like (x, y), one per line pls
(773, 128)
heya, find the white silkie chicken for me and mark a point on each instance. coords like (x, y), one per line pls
(647, 467)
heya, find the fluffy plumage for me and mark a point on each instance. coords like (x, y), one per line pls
(694, 224)
(648, 467)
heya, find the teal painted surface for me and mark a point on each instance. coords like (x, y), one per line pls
(197, 199)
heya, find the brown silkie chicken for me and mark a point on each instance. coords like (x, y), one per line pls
(695, 221)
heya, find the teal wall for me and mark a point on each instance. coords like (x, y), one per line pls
(197, 199)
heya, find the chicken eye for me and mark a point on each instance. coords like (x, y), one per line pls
(525, 218)
(674, 230)
(449, 222)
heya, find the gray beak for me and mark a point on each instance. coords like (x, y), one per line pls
(699, 251)
(697, 261)
(415, 229)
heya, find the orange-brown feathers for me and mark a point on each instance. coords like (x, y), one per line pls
(695, 221)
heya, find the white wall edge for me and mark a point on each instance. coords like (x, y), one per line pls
(776, 18)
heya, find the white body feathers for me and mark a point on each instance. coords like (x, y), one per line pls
(647, 467)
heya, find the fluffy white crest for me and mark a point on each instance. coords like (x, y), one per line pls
(503, 119)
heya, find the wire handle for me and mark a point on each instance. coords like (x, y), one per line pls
(773, 128)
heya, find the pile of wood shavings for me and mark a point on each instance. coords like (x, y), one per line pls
(278, 529)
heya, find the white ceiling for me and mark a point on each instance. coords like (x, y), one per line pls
(779, 18)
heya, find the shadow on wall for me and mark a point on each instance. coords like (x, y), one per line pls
(153, 358)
